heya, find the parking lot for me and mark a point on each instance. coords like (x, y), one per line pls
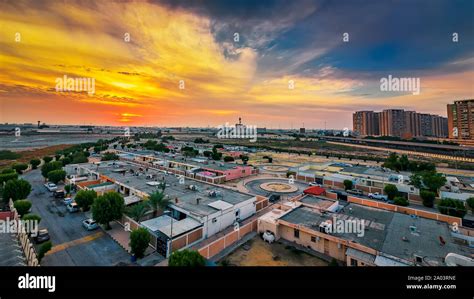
(72, 244)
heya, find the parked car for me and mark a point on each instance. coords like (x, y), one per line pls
(51, 187)
(355, 192)
(315, 184)
(378, 196)
(59, 194)
(90, 224)
(268, 237)
(41, 236)
(72, 207)
(68, 200)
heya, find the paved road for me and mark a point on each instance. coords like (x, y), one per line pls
(76, 246)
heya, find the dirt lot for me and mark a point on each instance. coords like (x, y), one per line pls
(256, 252)
(28, 155)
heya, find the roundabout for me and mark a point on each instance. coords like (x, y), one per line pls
(278, 187)
(275, 168)
(267, 186)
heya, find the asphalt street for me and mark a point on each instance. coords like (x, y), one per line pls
(75, 245)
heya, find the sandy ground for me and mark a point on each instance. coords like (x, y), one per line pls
(260, 253)
(28, 155)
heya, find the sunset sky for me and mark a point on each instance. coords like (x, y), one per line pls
(137, 82)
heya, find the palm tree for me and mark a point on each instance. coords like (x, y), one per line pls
(157, 201)
(138, 211)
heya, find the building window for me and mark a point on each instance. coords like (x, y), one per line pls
(353, 262)
(313, 239)
(297, 233)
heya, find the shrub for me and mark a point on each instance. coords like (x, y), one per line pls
(31, 217)
(22, 206)
(428, 198)
(20, 167)
(56, 176)
(45, 247)
(186, 258)
(16, 189)
(470, 203)
(401, 201)
(34, 163)
(50, 166)
(452, 207)
(139, 239)
(348, 184)
(228, 159)
(391, 191)
(85, 198)
(47, 159)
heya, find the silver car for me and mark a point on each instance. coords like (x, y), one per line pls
(90, 224)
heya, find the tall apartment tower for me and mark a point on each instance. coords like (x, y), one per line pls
(365, 123)
(412, 124)
(392, 122)
(461, 120)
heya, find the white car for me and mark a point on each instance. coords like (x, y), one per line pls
(72, 207)
(378, 196)
(268, 237)
(68, 200)
(315, 184)
(51, 187)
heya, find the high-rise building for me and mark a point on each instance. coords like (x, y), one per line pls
(365, 123)
(461, 120)
(412, 121)
(399, 123)
(392, 122)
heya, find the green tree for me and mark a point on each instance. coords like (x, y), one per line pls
(470, 203)
(31, 217)
(186, 258)
(400, 201)
(244, 159)
(50, 166)
(56, 176)
(108, 207)
(35, 163)
(20, 167)
(45, 247)
(348, 184)
(79, 157)
(452, 207)
(228, 159)
(404, 162)
(68, 188)
(8, 176)
(416, 180)
(433, 180)
(428, 198)
(47, 159)
(16, 189)
(22, 206)
(57, 157)
(137, 211)
(85, 198)
(207, 154)
(391, 191)
(66, 161)
(139, 239)
(157, 201)
(109, 157)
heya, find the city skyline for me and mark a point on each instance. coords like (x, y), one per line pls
(138, 53)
